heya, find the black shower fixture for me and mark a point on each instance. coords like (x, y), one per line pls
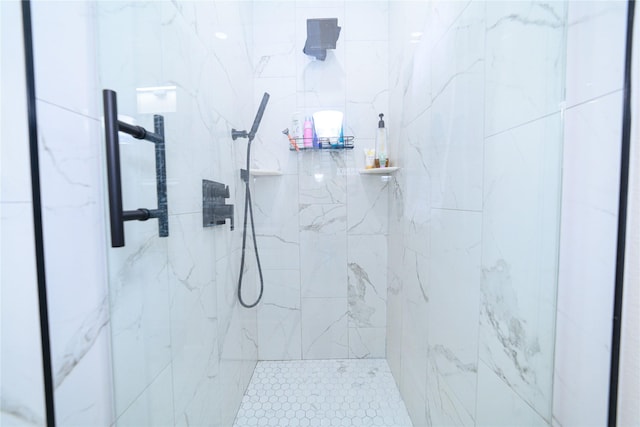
(322, 34)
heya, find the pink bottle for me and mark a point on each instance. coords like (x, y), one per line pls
(307, 134)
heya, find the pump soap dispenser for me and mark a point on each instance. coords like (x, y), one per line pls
(381, 161)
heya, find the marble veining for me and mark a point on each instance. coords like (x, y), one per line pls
(359, 312)
(499, 305)
(19, 411)
(439, 351)
(326, 330)
(323, 222)
(81, 342)
(551, 17)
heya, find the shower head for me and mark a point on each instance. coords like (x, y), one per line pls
(258, 119)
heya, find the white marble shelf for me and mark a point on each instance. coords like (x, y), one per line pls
(379, 171)
(265, 172)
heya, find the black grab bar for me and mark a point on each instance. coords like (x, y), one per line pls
(117, 215)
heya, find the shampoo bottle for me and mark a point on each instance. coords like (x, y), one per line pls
(381, 160)
(307, 135)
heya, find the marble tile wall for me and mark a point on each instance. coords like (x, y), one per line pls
(174, 309)
(71, 184)
(591, 168)
(167, 320)
(448, 268)
(321, 226)
(22, 389)
(474, 212)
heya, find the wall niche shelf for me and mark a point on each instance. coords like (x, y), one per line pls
(379, 171)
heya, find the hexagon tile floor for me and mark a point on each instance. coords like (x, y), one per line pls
(357, 392)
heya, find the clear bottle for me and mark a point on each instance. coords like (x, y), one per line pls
(296, 129)
(381, 161)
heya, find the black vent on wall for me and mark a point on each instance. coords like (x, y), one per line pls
(322, 34)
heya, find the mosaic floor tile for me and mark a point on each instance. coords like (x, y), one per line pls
(354, 392)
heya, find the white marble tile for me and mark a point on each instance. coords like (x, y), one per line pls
(416, 148)
(368, 204)
(580, 399)
(414, 335)
(367, 281)
(323, 251)
(457, 119)
(409, 65)
(154, 406)
(444, 17)
(417, 85)
(70, 151)
(120, 64)
(454, 301)
(279, 327)
(237, 361)
(274, 46)
(519, 258)
(324, 328)
(460, 50)
(265, 13)
(23, 402)
(525, 48)
(275, 205)
(73, 206)
(457, 146)
(274, 59)
(394, 303)
(595, 49)
(361, 121)
(140, 322)
(64, 45)
(416, 212)
(193, 305)
(499, 405)
(590, 201)
(366, 21)
(587, 260)
(20, 350)
(366, 79)
(15, 183)
(321, 180)
(87, 390)
(270, 150)
(443, 404)
(367, 343)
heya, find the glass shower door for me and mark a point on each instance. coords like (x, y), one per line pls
(182, 350)
(129, 54)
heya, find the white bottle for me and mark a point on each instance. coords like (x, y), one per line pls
(382, 161)
(296, 129)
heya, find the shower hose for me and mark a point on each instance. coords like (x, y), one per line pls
(248, 209)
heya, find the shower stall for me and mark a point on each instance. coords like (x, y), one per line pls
(466, 268)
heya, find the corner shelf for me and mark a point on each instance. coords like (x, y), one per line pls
(265, 172)
(379, 171)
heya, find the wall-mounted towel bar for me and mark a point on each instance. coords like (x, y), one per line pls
(116, 214)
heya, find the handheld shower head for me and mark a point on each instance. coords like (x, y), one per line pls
(258, 119)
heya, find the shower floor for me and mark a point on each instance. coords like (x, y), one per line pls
(358, 392)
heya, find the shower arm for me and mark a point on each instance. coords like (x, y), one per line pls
(116, 213)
